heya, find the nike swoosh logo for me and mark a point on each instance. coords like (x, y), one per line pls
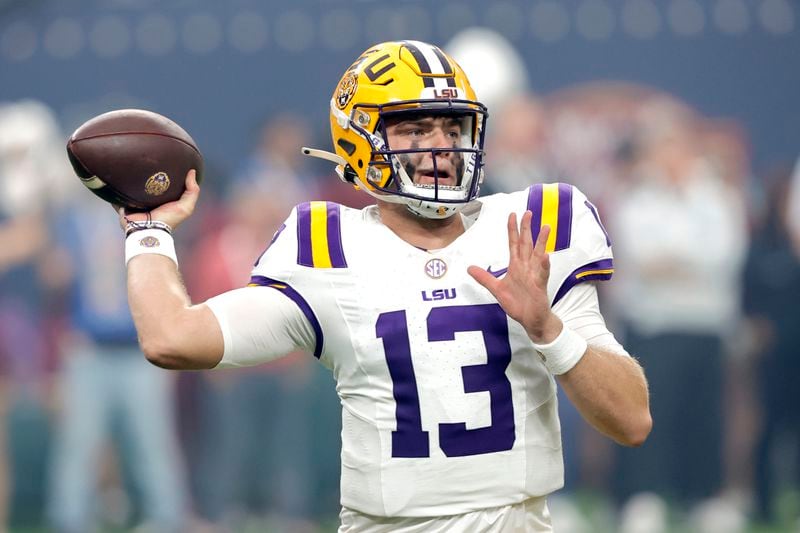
(496, 273)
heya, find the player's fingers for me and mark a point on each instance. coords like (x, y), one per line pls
(513, 238)
(541, 241)
(191, 181)
(483, 277)
(526, 236)
(189, 197)
(544, 270)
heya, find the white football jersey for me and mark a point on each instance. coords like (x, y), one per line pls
(446, 407)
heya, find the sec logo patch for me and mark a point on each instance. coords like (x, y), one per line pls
(435, 268)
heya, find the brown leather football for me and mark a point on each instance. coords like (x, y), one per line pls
(134, 158)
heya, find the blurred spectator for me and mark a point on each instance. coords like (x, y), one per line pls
(253, 464)
(772, 290)
(680, 238)
(725, 146)
(105, 384)
(276, 166)
(31, 174)
(516, 141)
(590, 132)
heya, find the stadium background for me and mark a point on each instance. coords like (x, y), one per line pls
(224, 70)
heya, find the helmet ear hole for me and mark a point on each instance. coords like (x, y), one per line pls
(360, 163)
(347, 146)
(350, 175)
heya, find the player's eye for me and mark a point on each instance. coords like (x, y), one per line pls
(414, 130)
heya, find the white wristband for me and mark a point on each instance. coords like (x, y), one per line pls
(564, 352)
(150, 241)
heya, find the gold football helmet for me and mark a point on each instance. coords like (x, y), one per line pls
(412, 79)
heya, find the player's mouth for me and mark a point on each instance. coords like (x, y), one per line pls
(429, 177)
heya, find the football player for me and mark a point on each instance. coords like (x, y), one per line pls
(446, 319)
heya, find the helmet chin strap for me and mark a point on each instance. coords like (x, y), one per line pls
(434, 211)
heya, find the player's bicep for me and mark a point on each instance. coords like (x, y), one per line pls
(259, 324)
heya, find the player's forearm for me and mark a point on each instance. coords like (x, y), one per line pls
(172, 333)
(610, 392)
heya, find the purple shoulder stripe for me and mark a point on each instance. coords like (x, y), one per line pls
(335, 236)
(594, 271)
(304, 254)
(535, 196)
(564, 233)
(301, 302)
(311, 241)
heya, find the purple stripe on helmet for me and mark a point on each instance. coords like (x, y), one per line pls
(564, 232)
(448, 69)
(573, 279)
(535, 197)
(304, 254)
(301, 302)
(445, 63)
(424, 67)
(335, 236)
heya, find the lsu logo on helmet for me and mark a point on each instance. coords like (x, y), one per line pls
(346, 89)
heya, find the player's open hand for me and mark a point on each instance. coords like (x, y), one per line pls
(172, 213)
(522, 292)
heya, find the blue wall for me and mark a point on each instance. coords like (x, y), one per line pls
(743, 61)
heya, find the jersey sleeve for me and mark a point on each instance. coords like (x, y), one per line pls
(268, 318)
(579, 309)
(298, 260)
(259, 325)
(579, 246)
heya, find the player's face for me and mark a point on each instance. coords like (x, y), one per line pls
(425, 132)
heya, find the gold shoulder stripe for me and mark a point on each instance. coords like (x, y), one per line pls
(594, 272)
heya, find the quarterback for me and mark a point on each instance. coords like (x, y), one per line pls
(446, 319)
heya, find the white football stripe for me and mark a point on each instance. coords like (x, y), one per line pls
(94, 182)
(433, 62)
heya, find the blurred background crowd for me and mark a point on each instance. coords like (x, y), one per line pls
(679, 119)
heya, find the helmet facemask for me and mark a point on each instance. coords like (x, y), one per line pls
(433, 181)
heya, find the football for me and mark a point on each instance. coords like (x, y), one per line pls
(134, 158)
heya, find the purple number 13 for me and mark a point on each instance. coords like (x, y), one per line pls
(455, 440)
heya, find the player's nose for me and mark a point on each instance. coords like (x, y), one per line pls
(440, 139)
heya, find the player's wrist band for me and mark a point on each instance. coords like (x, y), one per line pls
(563, 353)
(133, 226)
(150, 241)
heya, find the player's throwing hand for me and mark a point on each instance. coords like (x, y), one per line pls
(171, 213)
